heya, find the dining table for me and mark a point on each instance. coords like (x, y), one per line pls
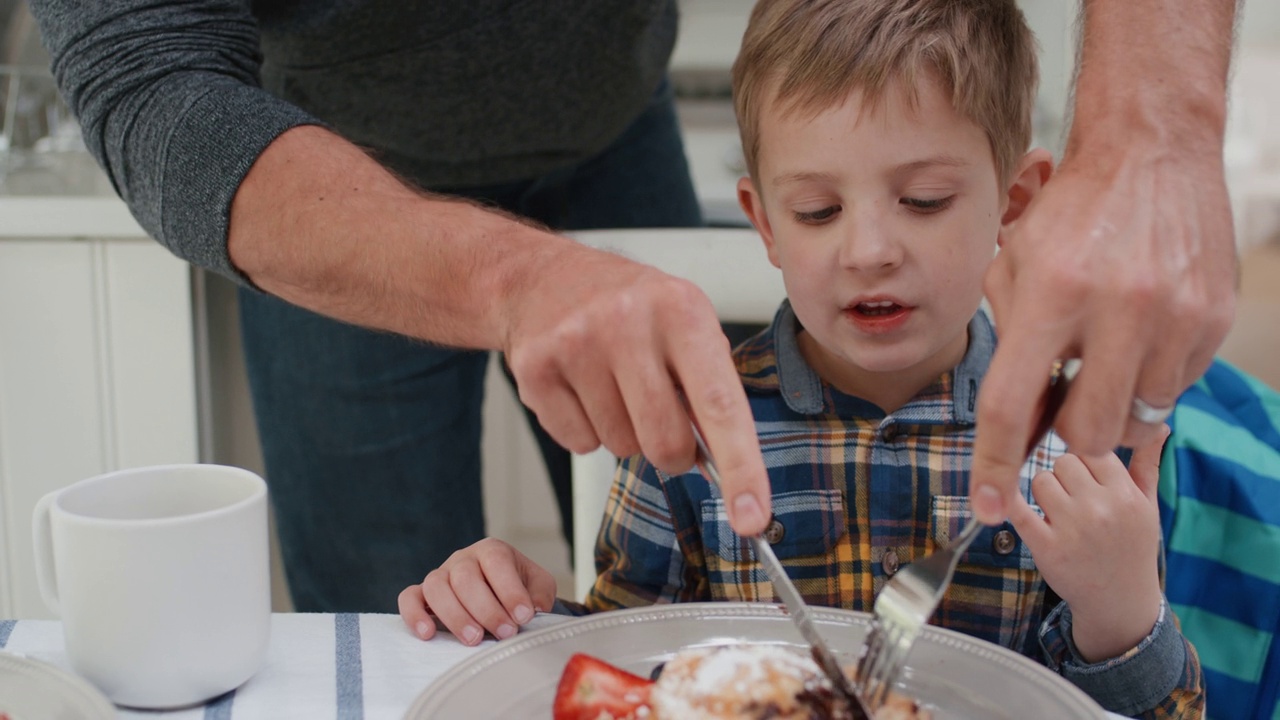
(346, 666)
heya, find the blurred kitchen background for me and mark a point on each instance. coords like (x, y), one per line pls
(113, 353)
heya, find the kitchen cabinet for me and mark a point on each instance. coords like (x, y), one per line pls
(97, 362)
(114, 353)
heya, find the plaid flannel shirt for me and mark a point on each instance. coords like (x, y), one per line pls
(857, 494)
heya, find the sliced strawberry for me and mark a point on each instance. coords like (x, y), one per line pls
(591, 688)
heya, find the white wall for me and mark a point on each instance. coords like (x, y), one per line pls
(1260, 24)
(711, 31)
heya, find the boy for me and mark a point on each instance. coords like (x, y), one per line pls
(885, 141)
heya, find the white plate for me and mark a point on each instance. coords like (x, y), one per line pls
(956, 676)
(35, 690)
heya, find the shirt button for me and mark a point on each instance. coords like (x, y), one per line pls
(890, 561)
(1004, 542)
(890, 433)
(774, 532)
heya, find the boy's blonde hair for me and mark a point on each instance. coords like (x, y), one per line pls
(808, 55)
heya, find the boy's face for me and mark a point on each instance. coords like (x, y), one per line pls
(883, 220)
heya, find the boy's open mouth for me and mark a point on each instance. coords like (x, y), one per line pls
(877, 309)
(878, 316)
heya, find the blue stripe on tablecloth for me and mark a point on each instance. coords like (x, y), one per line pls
(220, 707)
(6, 627)
(350, 680)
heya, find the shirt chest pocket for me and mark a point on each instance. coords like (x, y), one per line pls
(997, 547)
(996, 591)
(805, 524)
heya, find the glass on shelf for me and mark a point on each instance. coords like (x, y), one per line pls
(41, 149)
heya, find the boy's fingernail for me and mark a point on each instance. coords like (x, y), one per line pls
(523, 614)
(505, 631)
(423, 629)
(988, 504)
(471, 635)
(746, 510)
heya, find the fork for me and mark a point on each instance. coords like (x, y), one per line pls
(909, 599)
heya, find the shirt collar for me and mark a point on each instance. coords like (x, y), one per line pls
(802, 389)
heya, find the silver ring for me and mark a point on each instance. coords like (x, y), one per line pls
(1149, 414)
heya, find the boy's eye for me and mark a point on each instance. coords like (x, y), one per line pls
(925, 207)
(817, 216)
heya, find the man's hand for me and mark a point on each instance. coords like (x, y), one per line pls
(602, 349)
(1126, 258)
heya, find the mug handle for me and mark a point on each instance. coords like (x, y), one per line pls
(42, 539)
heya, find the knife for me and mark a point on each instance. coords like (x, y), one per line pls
(796, 607)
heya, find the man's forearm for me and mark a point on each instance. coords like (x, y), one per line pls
(1154, 69)
(320, 224)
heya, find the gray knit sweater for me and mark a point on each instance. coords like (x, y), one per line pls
(177, 99)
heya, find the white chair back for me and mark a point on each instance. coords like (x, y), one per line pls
(732, 268)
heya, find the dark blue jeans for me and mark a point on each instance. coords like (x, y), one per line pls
(372, 440)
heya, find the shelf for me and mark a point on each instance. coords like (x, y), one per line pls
(66, 217)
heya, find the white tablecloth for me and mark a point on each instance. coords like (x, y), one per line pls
(317, 666)
(349, 667)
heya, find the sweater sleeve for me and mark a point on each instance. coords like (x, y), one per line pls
(169, 102)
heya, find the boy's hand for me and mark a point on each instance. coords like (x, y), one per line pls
(1098, 544)
(487, 586)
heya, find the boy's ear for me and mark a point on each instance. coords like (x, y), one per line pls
(753, 205)
(1031, 175)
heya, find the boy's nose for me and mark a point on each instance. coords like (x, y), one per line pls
(869, 246)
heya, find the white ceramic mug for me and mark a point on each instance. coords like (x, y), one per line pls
(160, 575)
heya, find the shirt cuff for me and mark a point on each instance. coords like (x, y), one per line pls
(569, 607)
(1129, 684)
(217, 138)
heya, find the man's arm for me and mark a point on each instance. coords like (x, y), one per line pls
(1127, 258)
(168, 100)
(601, 346)
(236, 180)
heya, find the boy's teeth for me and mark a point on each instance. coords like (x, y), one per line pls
(883, 307)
